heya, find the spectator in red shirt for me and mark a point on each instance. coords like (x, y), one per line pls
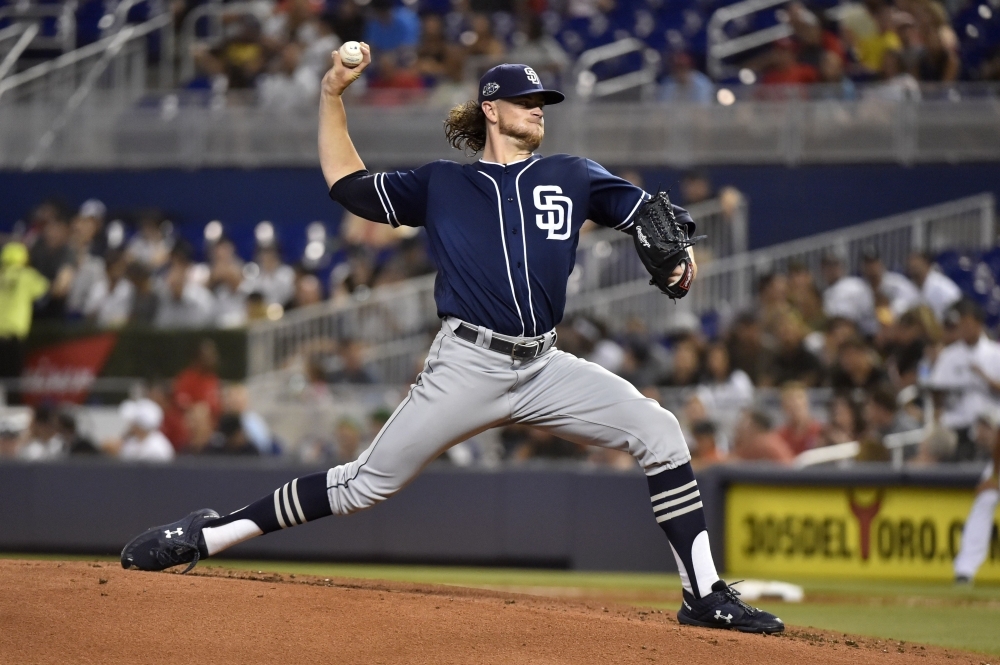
(800, 431)
(396, 82)
(810, 38)
(173, 425)
(755, 439)
(785, 69)
(200, 381)
(706, 450)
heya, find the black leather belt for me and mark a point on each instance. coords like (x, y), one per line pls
(517, 351)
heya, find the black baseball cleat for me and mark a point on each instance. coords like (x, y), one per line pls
(169, 545)
(723, 609)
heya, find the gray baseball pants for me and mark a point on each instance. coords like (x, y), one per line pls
(466, 388)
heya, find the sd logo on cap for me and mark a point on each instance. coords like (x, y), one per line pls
(507, 80)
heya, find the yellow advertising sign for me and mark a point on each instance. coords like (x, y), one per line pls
(888, 532)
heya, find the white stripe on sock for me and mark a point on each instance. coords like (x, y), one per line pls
(704, 571)
(676, 490)
(277, 510)
(218, 538)
(676, 513)
(288, 506)
(676, 502)
(682, 571)
(295, 498)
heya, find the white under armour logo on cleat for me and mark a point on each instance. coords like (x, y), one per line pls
(719, 617)
(178, 532)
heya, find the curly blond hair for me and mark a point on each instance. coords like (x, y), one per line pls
(465, 127)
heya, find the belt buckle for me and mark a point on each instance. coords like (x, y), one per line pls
(526, 355)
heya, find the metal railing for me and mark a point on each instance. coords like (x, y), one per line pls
(23, 33)
(37, 103)
(186, 129)
(57, 78)
(721, 46)
(64, 14)
(395, 321)
(643, 79)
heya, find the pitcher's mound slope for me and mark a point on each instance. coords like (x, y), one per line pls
(78, 612)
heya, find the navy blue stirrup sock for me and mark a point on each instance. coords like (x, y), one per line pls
(678, 510)
(297, 502)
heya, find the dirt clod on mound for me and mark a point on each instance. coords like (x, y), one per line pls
(71, 613)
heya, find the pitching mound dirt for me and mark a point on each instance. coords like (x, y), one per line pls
(97, 613)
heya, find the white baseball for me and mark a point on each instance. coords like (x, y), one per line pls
(350, 54)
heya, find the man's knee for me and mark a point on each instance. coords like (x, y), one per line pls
(662, 444)
(349, 489)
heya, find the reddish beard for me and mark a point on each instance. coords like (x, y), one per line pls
(530, 140)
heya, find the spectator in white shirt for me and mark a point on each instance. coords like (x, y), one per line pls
(227, 285)
(151, 245)
(275, 280)
(847, 296)
(44, 442)
(936, 288)
(183, 303)
(144, 442)
(899, 294)
(316, 53)
(968, 371)
(109, 303)
(87, 247)
(292, 86)
(726, 392)
(725, 389)
(230, 297)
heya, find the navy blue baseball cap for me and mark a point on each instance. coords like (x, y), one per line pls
(505, 81)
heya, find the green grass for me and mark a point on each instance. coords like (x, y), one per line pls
(970, 627)
(926, 612)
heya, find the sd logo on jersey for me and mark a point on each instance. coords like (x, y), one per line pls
(558, 219)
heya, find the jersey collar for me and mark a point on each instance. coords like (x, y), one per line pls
(520, 161)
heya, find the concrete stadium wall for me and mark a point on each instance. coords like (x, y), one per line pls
(546, 516)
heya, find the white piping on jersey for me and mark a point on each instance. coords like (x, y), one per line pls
(625, 224)
(389, 201)
(509, 163)
(503, 238)
(524, 242)
(389, 217)
(381, 200)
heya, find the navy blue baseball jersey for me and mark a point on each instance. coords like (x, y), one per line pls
(503, 237)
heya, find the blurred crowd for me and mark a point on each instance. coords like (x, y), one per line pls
(437, 49)
(192, 414)
(281, 50)
(817, 361)
(822, 357)
(83, 267)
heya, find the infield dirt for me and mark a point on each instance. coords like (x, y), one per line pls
(79, 612)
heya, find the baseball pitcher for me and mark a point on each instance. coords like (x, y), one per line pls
(503, 233)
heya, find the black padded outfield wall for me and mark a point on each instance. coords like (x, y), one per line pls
(545, 517)
(532, 516)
